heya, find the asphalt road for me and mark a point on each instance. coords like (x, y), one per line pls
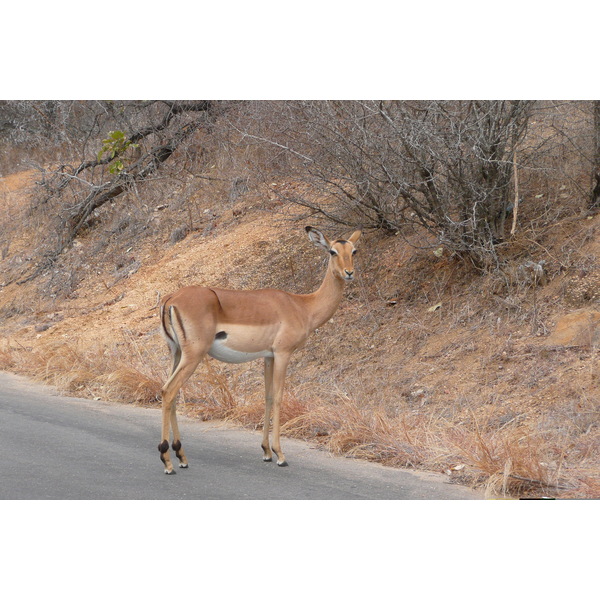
(56, 447)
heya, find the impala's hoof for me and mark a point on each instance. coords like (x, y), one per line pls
(283, 463)
(267, 459)
(171, 472)
(183, 466)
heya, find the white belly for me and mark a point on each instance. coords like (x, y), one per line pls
(221, 352)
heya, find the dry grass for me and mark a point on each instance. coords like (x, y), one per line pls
(473, 439)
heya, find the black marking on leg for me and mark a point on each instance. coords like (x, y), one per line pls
(222, 335)
(177, 447)
(163, 447)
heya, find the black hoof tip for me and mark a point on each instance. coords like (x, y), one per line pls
(267, 459)
(282, 464)
(170, 472)
(183, 466)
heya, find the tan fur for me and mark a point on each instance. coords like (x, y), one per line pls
(244, 325)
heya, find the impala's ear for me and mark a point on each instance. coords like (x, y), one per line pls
(317, 238)
(354, 237)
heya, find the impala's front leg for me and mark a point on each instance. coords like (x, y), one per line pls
(279, 371)
(267, 454)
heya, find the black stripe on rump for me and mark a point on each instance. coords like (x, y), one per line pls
(164, 324)
(174, 311)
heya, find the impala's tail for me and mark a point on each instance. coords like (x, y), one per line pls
(168, 317)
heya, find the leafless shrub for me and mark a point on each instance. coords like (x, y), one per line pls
(556, 160)
(594, 202)
(118, 147)
(445, 167)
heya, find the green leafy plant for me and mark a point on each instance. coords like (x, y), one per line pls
(114, 146)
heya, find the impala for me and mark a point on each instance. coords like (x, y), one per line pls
(239, 326)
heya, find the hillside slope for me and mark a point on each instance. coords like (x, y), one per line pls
(425, 365)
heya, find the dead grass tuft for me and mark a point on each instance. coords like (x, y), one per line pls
(131, 385)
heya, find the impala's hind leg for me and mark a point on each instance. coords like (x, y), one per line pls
(190, 357)
(176, 445)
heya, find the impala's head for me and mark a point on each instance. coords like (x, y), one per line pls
(341, 260)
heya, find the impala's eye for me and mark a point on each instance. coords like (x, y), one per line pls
(333, 252)
(353, 252)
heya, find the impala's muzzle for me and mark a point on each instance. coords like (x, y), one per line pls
(348, 275)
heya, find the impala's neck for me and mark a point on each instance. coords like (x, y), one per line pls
(323, 303)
